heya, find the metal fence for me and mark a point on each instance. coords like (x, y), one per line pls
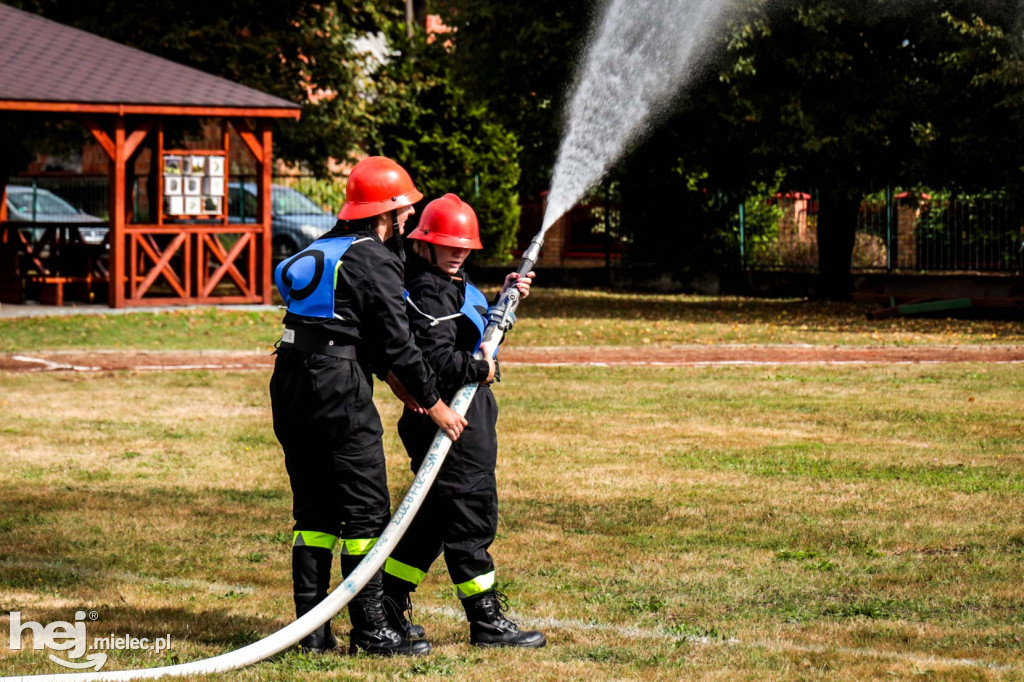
(33, 198)
(41, 197)
(897, 230)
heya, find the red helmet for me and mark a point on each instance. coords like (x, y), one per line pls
(375, 186)
(449, 221)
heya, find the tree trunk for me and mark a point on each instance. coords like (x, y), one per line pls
(837, 230)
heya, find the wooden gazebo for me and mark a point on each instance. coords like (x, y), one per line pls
(123, 96)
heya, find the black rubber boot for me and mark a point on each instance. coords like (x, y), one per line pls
(311, 576)
(371, 632)
(488, 626)
(396, 604)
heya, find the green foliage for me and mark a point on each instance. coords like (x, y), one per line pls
(839, 98)
(328, 193)
(447, 141)
(761, 225)
(518, 58)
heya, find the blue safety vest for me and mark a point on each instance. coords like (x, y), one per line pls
(474, 308)
(308, 279)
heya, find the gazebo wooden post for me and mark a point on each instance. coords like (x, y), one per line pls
(117, 215)
(158, 153)
(225, 131)
(266, 208)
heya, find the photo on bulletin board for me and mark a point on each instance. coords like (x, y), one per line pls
(213, 186)
(212, 205)
(172, 165)
(215, 166)
(175, 205)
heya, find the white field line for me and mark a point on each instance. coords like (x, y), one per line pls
(567, 624)
(49, 365)
(781, 646)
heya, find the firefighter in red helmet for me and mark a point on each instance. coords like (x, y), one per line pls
(460, 514)
(346, 318)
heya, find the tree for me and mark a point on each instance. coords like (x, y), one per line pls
(842, 96)
(448, 141)
(300, 50)
(518, 58)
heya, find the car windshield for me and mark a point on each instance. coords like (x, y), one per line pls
(288, 201)
(45, 203)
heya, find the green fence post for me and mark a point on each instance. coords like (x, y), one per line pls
(890, 245)
(743, 238)
(607, 230)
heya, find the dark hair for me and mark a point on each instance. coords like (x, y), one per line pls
(357, 225)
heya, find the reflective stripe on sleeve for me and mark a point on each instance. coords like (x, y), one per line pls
(406, 572)
(477, 585)
(357, 546)
(312, 538)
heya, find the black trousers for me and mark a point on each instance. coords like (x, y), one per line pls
(460, 514)
(330, 431)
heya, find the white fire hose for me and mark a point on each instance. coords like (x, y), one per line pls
(501, 319)
(322, 612)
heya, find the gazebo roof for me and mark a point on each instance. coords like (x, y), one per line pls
(47, 66)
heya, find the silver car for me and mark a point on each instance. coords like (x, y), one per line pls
(295, 219)
(37, 205)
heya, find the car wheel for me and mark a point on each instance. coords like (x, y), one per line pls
(281, 248)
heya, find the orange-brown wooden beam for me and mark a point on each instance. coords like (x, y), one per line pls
(138, 136)
(117, 178)
(266, 184)
(101, 135)
(161, 264)
(225, 131)
(248, 137)
(148, 110)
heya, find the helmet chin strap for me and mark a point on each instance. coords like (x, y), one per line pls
(396, 237)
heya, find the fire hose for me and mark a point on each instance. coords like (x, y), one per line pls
(500, 319)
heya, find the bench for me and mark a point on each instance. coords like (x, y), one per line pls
(52, 286)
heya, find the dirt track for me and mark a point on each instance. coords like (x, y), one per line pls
(610, 356)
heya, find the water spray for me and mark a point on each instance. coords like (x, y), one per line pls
(641, 53)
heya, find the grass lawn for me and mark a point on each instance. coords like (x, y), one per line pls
(550, 317)
(659, 523)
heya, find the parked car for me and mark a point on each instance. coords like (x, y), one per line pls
(34, 204)
(295, 219)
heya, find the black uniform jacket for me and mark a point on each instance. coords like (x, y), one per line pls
(448, 347)
(370, 314)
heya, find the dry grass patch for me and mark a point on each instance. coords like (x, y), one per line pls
(676, 523)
